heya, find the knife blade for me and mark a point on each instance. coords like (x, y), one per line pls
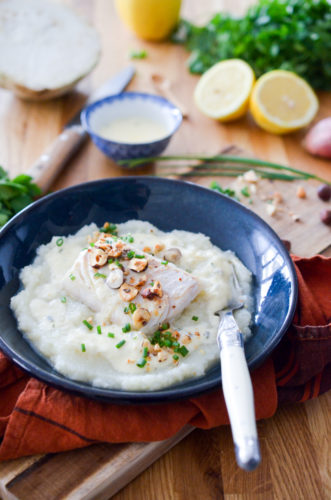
(50, 163)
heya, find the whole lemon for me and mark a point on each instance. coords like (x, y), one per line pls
(149, 19)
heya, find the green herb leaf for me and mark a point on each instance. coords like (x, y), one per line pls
(138, 54)
(120, 344)
(195, 318)
(83, 347)
(132, 307)
(63, 300)
(100, 275)
(273, 34)
(245, 192)
(111, 335)
(87, 324)
(99, 330)
(142, 362)
(126, 328)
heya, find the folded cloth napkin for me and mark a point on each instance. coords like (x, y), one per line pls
(36, 418)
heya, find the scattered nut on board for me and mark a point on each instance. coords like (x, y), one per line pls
(301, 192)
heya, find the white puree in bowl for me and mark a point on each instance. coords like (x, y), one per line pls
(54, 325)
(133, 130)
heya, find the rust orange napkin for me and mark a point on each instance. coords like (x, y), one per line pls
(36, 418)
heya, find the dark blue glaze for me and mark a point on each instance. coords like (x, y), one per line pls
(122, 151)
(169, 205)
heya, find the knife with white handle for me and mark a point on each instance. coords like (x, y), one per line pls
(238, 392)
(50, 163)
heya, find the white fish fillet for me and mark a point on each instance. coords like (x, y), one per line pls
(179, 288)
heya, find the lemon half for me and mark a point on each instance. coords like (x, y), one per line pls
(282, 102)
(223, 90)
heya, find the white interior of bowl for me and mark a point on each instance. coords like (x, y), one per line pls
(158, 111)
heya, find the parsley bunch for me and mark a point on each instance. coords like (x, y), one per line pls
(293, 35)
(15, 194)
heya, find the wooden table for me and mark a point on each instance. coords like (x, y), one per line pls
(295, 441)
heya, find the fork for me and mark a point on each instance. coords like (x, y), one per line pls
(237, 384)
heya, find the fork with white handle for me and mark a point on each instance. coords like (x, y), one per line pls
(237, 384)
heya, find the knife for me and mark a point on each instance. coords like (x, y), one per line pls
(50, 163)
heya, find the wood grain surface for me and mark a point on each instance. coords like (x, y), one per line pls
(295, 442)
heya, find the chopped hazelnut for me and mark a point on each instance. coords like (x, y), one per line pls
(162, 356)
(250, 176)
(271, 209)
(128, 292)
(277, 197)
(147, 249)
(138, 280)
(158, 247)
(153, 291)
(301, 192)
(97, 257)
(172, 255)
(116, 249)
(138, 265)
(115, 277)
(140, 317)
(186, 339)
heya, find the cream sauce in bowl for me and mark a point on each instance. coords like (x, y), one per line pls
(133, 129)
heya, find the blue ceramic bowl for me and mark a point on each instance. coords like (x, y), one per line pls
(130, 104)
(168, 204)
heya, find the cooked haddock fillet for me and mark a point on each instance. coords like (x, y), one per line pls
(160, 292)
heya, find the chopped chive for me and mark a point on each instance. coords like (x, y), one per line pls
(82, 250)
(137, 256)
(152, 283)
(145, 353)
(110, 261)
(175, 357)
(99, 330)
(87, 324)
(92, 244)
(59, 242)
(165, 326)
(100, 275)
(126, 310)
(245, 192)
(129, 238)
(111, 335)
(117, 262)
(164, 262)
(64, 300)
(83, 347)
(168, 343)
(120, 344)
(132, 307)
(72, 277)
(195, 318)
(141, 363)
(138, 54)
(130, 254)
(109, 228)
(126, 328)
(183, 350)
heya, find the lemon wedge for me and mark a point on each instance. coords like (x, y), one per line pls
(282, 102)
(223, 90)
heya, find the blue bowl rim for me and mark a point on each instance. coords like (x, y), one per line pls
(170, 393)
(85, 116)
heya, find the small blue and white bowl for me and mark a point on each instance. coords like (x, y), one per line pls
(128, 104)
